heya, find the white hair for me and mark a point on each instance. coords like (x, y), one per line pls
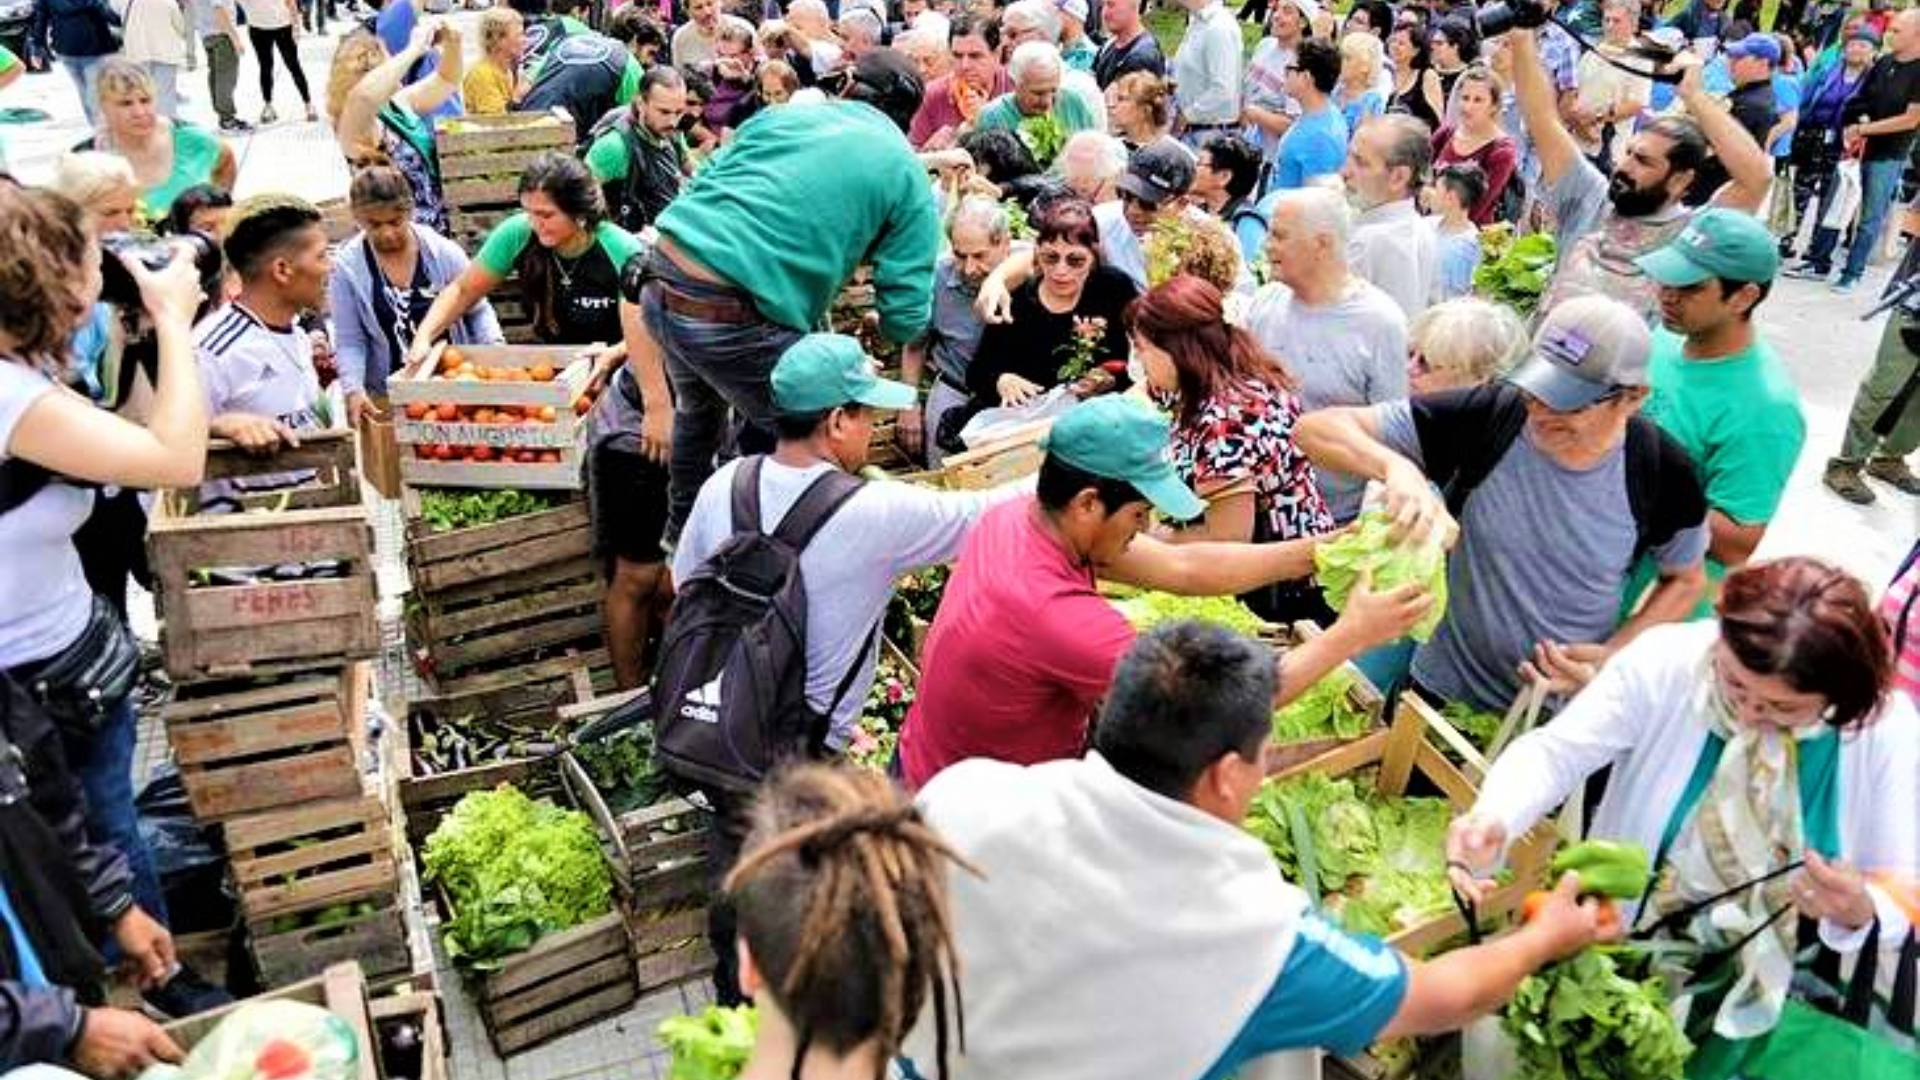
(1469, 337)
(808, 95)
(934, 25)
(1322, 212)
(88, 176)
(1040, 13)
(1100, 154)
(813, 7)
(862, 23)
(1031, 57)
(981, 212)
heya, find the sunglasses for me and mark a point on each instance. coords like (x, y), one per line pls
(1073, 260)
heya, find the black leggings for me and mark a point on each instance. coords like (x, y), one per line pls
(264, 42)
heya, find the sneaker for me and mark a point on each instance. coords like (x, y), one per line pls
(1844, 286)
(187, 994)
(1806, 271)
(268, 116)
(1843, 479)
(312, 116)
(233, 125)
(1893, 470)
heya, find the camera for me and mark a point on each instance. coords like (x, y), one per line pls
(1503, 15)
(117, 286)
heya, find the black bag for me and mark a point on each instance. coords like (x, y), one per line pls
(732, 682)
(79, 686)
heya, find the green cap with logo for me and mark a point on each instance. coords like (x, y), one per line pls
(825, 371)
(1717, 243)
(1119, 438)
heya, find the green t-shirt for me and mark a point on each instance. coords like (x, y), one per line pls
(1069, 112)
(196, 153)
(1740, 419)
(511, 237)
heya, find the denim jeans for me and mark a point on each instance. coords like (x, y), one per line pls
(104, 764)
(1879, 183)
(85, 73)
(712, 367)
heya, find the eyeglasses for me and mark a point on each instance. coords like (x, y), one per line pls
(1073, 260)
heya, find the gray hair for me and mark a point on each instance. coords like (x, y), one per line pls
(1409, 145)
(1469, 337)
(1030, 56)
(869, 28)
(817, 7)
(1631, 7)
(981, 212)
(88, 176)
(1037, 12)
(1323, 212)
(1104, 155)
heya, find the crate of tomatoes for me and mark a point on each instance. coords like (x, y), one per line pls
(494, 416)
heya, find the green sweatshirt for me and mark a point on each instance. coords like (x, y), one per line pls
(803, 195)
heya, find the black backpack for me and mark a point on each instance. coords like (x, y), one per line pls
(624, 205)
(582, 75)
(731, 686)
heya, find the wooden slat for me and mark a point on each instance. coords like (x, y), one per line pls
(228, 606)
(517, 1037)
(557, 953)
(377, 943)
(218, 793)
(504, 561)
(535, 1001)
(561, 476)
(184, 708)
(673, 931)
(585, 594)
(518, 130)
(212, 741)
(578, 629)
(665, 969)
(374, 881)
(425, 548)
(534, 577)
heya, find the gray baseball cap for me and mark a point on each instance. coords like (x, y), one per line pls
(1588, 348)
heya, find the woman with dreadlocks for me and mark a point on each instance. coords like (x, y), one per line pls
(844, 927)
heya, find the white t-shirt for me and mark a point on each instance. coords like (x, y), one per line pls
(44, 597)
(267, 14)
(250, 367)
(884, 531)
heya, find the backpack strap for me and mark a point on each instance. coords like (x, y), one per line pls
(746, 494)
(822, 499)
(1664, 493)
(1480, 462)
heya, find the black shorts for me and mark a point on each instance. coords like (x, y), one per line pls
(627, 499)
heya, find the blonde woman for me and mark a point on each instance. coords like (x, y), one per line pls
(378, 119)
(1357, 94)
(167, 156)
(1462, 343)
(102, 185)
(496, 84)
(1139, 108)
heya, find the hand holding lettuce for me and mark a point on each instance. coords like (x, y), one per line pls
(1369, 551)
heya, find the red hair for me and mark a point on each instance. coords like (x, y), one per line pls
(1813, 625)
(1184, 316)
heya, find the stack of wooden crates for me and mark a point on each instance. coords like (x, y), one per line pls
(267, 620)
(481, 159)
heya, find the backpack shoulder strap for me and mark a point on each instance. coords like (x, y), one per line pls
(1479, 464)
(1664, 492)
(746, 494)
(822, 499)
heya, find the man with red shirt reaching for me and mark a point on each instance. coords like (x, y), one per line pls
(1024, 646)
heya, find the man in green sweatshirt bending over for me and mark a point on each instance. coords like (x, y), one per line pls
(756, 247)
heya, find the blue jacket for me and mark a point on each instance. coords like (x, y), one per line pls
(82, 29)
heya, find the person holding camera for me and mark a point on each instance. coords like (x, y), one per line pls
(1608, 221)
(59, 640)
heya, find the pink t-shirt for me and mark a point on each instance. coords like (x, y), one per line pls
(940, 108)
(1903, 621)
(1020, 652)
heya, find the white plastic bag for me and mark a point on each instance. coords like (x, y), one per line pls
(270, 1040)
(1845, 202)
(989, 425)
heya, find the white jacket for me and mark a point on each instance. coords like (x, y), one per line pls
(154, 32)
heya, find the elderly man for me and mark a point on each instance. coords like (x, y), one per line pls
(1343, 338)
(1036, 71)
(928, 52)
(861, 32)
(1606, 222)
(738, 276)
(1559, 487)
(1129, 47)
(978, 239)
(1386, 166)
(1039, 20)
(1091, 164)
(698, 41)
(1122, 922)
(954, 102)
(1206, 71)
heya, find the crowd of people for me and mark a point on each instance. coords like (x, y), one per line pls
(1235, 272)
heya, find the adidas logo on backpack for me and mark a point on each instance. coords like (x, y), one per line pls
(705, 701)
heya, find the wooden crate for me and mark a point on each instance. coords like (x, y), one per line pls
(379, 451)
(376, 940)
(341, 990)
(269, 627)
(1002, 461)
(567, 979)
(501, 593)
(244, 747)
(1292, 759)
(1397, 753)
(421, 1009)
(522, 698)
(310, 856)
(418, 388)
(481, 159)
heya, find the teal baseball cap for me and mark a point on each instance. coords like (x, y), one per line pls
(825, 371)
(1118, 438)
(1717, 243)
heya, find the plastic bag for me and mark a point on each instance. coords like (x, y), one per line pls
(990, 424)
(270, 1040)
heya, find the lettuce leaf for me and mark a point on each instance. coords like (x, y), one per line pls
(714, 1045)
(1368, 546)
(1149, 609)
(1325, 711)
(1585, 1018)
